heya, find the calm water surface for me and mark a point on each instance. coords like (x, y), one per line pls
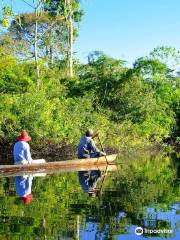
(143, 192)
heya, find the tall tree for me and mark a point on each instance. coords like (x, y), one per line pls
(37, 10)
(51, 39)
(68, 6)
(70, 10)
(36, 6)
(51, 28)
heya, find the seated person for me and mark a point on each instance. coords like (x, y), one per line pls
(21, 152)
(87, 147)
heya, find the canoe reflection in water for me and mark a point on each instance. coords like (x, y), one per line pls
(23, 185)
(88, 181)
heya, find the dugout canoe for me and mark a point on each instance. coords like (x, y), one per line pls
(60, 166)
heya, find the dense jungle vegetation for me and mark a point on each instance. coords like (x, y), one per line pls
(47, 91)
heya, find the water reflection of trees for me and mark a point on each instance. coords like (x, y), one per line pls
(142, 182)
(59, 201)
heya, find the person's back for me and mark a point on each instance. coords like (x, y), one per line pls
(87, 147)
(21, 152)
(84, 147)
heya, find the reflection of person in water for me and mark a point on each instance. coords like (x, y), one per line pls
(23, 186)
(88, 181)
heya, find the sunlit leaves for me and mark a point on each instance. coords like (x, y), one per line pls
(6, 14)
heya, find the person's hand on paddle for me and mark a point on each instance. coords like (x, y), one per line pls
(95, 135)
(103, 154)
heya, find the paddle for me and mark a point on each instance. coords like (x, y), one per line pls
(102, 147)
(97, 135)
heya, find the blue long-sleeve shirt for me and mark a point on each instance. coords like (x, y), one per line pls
(23, 185)
(87, 146)
(22, 152)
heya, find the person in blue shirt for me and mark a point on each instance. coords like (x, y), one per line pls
(87, 147)
(23, 185)
(21, 151)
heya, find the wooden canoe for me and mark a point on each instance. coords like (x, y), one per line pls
(60, 166)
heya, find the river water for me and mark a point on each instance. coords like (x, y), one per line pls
(143, 192)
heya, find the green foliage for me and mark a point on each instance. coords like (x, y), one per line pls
(52, 36)
(136, 105)
(47, 117)
(150, 67)
(168, 55)
(6, 14)
(133, 105)
(14, 78)
(58, 7)
(102, 75)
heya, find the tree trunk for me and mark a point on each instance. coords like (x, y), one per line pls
(68, 4)
(51, 55)
(35, 49)
(71, 40)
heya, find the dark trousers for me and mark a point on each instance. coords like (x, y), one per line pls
(91, 155)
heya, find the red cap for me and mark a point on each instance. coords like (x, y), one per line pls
(24, 136)
(27, 199)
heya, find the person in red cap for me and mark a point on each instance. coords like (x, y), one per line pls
(21, 151)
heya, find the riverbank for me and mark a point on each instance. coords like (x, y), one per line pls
(49, 150)
(53, 151)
